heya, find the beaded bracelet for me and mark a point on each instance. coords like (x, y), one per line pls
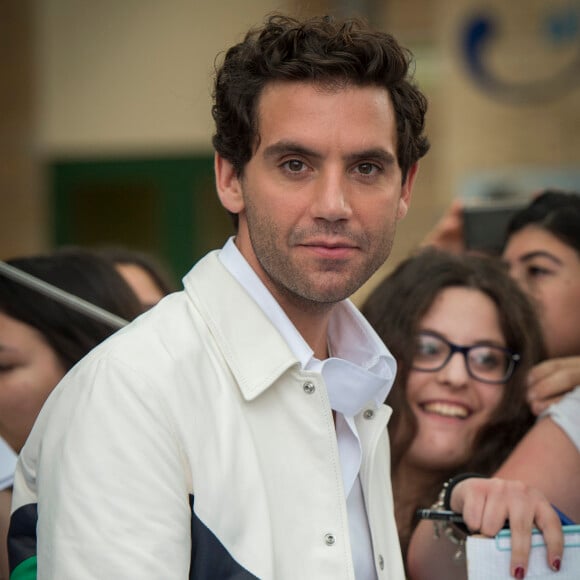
(455, 533)
(450, 484)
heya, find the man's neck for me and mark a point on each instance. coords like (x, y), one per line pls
(313, 326)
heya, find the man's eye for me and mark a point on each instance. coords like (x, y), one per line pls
(367, 168)
(294, 165)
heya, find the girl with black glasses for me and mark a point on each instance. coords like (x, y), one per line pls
(465, 337)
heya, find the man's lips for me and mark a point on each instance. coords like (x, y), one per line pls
(330, 242)
(446, 409)
(330, 248)
(334, 252)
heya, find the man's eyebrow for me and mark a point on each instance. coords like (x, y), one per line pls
(289, 147)
(376, 153)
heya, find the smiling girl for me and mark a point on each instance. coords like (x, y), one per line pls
(464, 337)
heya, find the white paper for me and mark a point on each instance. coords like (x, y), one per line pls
(490, 557)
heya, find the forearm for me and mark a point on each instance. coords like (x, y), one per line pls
(486, 504)
(547, 459)
(430, 557)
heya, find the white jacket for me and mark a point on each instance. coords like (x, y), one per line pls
(197, 403)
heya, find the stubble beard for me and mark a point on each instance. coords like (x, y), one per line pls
(288, 278)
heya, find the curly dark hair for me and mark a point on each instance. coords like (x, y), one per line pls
(330, 52)
(395, 309)
(557, 212)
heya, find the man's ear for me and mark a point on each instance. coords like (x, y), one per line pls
(406, 191)
(228, 185)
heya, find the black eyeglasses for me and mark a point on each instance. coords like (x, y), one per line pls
(484, 362)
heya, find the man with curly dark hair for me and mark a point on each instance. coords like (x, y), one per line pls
(237, 429)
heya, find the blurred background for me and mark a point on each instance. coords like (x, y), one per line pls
(105, 125)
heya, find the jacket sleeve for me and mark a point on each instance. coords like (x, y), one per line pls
(112, 491)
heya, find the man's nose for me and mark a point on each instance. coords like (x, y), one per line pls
(331, 199)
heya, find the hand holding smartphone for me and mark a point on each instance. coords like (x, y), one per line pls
(484, 226)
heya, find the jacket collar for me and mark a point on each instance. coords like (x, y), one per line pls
(255, 352)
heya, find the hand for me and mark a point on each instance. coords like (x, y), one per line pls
(448, 232)
(550, 380)
(487, 503)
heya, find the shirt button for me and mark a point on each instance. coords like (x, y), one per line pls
(369, 414)
(308, 388)
(381, 562)
(330, 539)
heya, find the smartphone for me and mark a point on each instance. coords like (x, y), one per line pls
(484, 226)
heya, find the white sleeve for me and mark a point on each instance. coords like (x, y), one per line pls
(566, 414)
(112, 494)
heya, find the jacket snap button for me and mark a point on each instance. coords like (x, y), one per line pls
(369, 414)
(308, 388)
(381, 562)
(330, 540)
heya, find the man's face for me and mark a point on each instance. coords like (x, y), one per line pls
(319, 200)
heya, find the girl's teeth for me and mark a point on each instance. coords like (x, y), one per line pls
(446, 410)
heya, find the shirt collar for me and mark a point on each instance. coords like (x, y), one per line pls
(362, 369)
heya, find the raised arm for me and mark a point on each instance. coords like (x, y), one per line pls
(548, 459)
(447, 234)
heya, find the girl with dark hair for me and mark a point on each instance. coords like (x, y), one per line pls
(68, 333)
(542, 251)
(452, 414)
(41, 338)
(543, 254)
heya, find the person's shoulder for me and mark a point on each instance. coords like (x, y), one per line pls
(156, 336)
(143, 349)
(131, 368)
